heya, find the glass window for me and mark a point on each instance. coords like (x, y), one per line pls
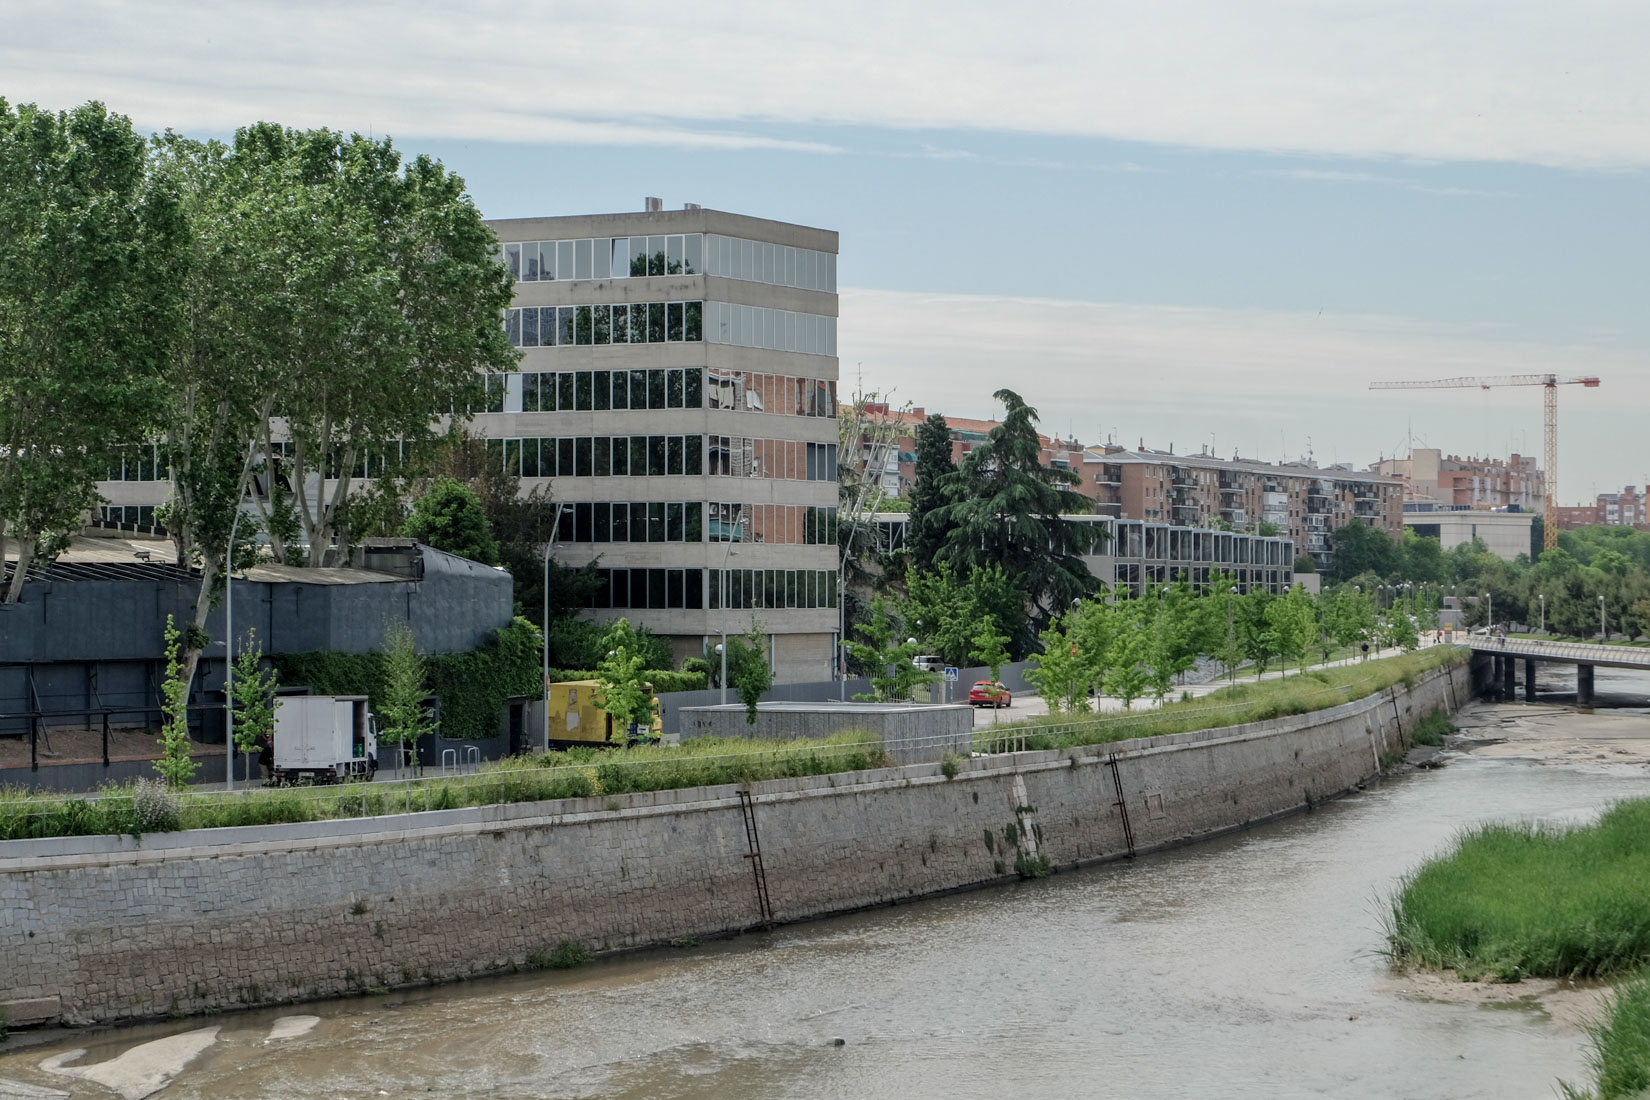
(673, 254)
(673, 588)
(693, 529)
(673, 322)
(621, 324)
(638, 256)
(695, 596)
(638, 389)
(530, 263)
(638, 324)
(638, 456)
(603, 331)
(530, 458)
(812, 469)
(581, 456)
(621, 523)
(604, 456)
(564, 325)
(693, 452)
(564, 259)
(656, 455)
(655, 389)
(564, 527)
(693, 260)
(564, 457)
(694, 328)
(603, 248)
(655, 255)
(790, 588)
(512, 259)
(673, 455)
(655, 521)
(604, 391)
(673, 521)
(564, 391)
(673, 389)
(582, 325)
(638, 522)
(694, 396)
(529, 392)
(581, 523)
(621, 257)
(512, 326)
(655, 322)
(529, 328)
(621, 456)
(547, 260)
(581, 259)
(603, 525)
(512, 457)
(747, 259)
(655, 587)
(582, 394)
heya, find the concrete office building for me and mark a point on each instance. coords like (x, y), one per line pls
(678, 390)
(1504, 534)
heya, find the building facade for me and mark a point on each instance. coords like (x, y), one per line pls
(1627, 508)
(1450, 481)
(677, 391)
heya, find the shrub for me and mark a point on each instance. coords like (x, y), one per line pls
(155, 808)
(564, 956)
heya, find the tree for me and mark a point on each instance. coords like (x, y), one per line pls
(1360, 547)
(402, 718)
(1293, 624)
(926, 531)
(254, 698)
(626, 697)
(1005, 508)
(175, 765)
(1306, 563)
(1423, 559)
(1257, 639)
(1127, 675)
(990, 649)
(90, 263)
(894, 674)
(749, 672)
(1062, 673)
(945, 611)
(1266, 529)
(450, 517)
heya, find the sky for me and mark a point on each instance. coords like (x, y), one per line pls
(1189, 222)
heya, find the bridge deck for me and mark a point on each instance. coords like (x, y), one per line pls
(1574, 653)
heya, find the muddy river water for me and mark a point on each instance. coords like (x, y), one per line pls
(1244, 967)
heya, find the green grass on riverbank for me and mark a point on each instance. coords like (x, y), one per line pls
(1255, 701)
(576, 773)
(1517, 900)
(1620, 1058)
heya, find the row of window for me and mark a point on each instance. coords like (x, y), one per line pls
(697, 589)
(664, 456)
(671, 254)
(773, 329)
(605, 521)
(137, 462)
(641, 323)
(661, 388)
(141, 514)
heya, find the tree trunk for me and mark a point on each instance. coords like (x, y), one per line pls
(25, 556)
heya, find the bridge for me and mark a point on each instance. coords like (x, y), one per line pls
(1506, 652)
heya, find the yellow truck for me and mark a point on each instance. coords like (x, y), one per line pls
(577, 718)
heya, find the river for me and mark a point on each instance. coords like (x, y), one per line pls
(1243, 967)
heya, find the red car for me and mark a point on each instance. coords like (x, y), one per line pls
(984, 693)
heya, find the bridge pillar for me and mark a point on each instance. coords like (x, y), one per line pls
(1529, 680)
(1584, 685)
(1508, 690)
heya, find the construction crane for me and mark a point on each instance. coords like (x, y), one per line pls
(1551, 382)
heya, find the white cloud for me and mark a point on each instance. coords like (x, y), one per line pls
(1515, 80)
(1178, 375)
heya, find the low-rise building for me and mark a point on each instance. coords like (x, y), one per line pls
(1430, 476)
(1627, 508)
(1506, 534)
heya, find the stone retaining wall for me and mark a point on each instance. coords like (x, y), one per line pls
(100, 929)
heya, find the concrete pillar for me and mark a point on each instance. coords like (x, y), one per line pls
(1529, 680)
(1584, 685)
(1508, 690)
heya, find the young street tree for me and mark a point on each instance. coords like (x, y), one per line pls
(748, 670)
(175, 765)
(991, 650)
(626, 697)
(402, 718)
(254, 699)
(1062, 672)
(1005, 509)
(90, 277)
(893, 675)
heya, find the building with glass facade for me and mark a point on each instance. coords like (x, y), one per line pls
(678, 392)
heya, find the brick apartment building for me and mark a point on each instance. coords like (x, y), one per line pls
(1450, 481)
(1627, 508)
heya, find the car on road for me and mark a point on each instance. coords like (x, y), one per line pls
(984, 693)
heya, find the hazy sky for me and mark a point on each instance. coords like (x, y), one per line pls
(1194, 222)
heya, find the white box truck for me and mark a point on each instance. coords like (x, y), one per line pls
(324, 739)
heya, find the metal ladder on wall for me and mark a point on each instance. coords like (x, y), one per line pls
(1122, 803)
(753, 843)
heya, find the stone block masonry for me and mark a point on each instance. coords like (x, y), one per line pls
(116, 930)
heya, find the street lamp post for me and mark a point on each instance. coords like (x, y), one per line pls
(1489, 615)
(544, 627)
(1231, 639)
(1603, 634)
(1543, 598)
(229, 655)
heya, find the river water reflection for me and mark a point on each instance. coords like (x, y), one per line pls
(1243, 967)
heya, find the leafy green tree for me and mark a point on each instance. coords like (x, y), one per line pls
(175, 765)
(991, 650)
(1306, 563)
(1005, 509)
(1062, 673)
(1360, 548)
(626, 697)
(1266, 529)
(1293, 624)
(893, 674)
(90, 262)
(402, 718)
(944, 610)
(749, 672)
(1257, 640)
(1423, 559)
(1127, 673)
(254, 698)
(449, 517)
(926, 531)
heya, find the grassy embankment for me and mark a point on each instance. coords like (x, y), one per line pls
(575, 773)
(1521, 900)
(1255, 701)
